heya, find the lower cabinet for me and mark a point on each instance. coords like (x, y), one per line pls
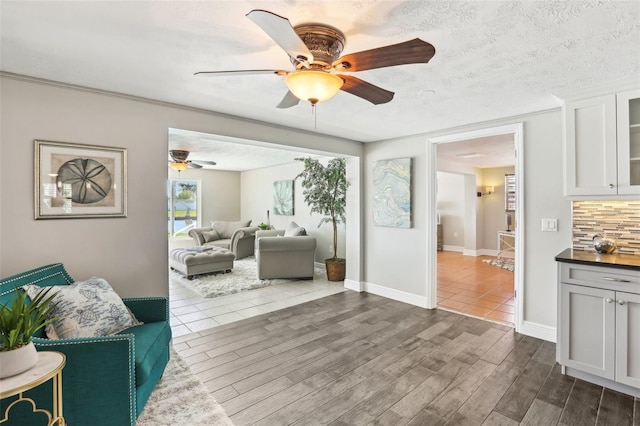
(599, 325)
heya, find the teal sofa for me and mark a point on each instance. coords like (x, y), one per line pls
(107, 380)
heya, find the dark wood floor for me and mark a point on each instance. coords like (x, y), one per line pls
(359, 359)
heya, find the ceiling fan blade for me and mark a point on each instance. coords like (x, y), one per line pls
(240, 72)
(374, 94)
(204, 162)
(193, 165)
(288, 101)
(409, 52)
(282, 32)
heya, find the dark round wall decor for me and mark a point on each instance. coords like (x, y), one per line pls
(89, 179)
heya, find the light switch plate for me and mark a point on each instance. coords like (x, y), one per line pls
(549, 224)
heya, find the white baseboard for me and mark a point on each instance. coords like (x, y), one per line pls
(391, 293)
(353, 285)
(538, 331)
(468, 252)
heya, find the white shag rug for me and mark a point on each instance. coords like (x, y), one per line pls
(243, 277)
(180, 398)
(508, 264)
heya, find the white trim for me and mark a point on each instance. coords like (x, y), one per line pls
(458, 249)
(517, 130)
(353, 285)
(468, 252)
(539, 331)
(399, 295)
(488, 252)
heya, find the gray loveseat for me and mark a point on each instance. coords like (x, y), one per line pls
(279, 256)
(235, 236)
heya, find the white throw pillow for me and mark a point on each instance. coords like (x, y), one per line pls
(85, 309)
(294, 230)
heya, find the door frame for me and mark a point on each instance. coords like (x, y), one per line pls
(432, 265)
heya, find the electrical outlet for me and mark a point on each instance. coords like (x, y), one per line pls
(455, 235)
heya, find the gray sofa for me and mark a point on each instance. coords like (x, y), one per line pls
(279, 256)
(235, 236)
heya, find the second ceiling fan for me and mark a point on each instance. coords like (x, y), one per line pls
(314, 50)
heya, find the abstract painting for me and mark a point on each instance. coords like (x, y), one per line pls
(79, 181)
(283, 197)
(392, 193)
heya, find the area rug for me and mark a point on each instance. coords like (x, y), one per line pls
(507, 264)
(243, 277)
(181, 399)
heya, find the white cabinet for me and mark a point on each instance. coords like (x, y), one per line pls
(628, 336)
(599, 325)
(628, 113)
(602, 145)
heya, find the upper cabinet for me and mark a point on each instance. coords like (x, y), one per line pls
(628, 111)
(602, 145)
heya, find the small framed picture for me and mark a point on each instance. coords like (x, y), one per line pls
(79, 181)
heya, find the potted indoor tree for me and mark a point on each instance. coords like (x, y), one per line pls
(19, 320)
(325, 190)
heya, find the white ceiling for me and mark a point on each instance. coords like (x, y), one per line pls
(231, 154)
(493, 59)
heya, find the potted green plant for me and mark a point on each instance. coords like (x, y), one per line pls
(18, 323)
(325, 190)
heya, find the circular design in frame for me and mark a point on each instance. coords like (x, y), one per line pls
(89, 180)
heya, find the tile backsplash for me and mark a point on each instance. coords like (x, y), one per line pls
(617, 219)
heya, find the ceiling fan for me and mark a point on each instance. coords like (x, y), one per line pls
(179, 161)
(314, 50)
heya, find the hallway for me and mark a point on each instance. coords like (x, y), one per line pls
(468, 285)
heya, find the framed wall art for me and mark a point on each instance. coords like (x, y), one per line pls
(283, 197)
(392, 193)
(79, 181)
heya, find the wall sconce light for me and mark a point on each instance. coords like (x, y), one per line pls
(487, 190)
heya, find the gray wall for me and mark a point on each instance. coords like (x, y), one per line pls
(257, 198)
(492, 205)
(131, 253)
(395, 258)
(450, 205)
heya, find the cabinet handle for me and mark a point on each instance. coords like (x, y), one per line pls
(610, 185)
(618, 280)
(621, 302)
(608, 300)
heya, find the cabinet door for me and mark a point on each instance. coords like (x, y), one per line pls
(587, 329)
(590, 147)
(628, 339)
(628, 111)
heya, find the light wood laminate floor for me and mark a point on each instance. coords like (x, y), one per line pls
(360, 359)
(468, 285)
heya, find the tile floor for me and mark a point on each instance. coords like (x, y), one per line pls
(190, 312)
(465, 285)
(469, 286)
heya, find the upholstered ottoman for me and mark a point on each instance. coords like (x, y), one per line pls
(201, 260)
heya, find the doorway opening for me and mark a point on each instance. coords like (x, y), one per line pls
(475, 204)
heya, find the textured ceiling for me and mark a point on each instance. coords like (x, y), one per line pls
(493, 58)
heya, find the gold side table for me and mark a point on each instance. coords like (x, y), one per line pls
(49, 366)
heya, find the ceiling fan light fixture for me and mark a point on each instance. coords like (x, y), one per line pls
(178, 166)
(313, 86)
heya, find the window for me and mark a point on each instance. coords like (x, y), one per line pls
(183, 196)
(509, 193)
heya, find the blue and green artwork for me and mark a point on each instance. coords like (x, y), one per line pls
(392, 193)
(283, 197)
